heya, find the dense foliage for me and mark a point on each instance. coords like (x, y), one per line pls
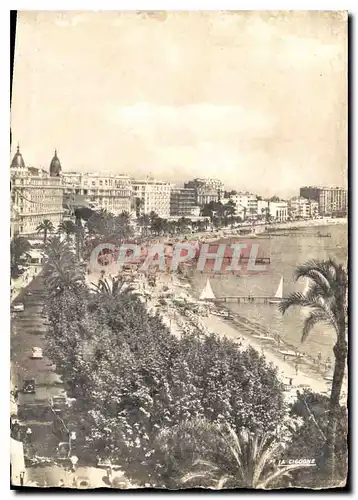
(310, 438)
(20, 254)
(132, 379)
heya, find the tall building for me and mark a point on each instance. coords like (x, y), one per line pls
(330, 199)
(111, 192)
(246, 204)
(206, 190)
(183, 202)
(300, 207)
(152, 196)
(35, 196)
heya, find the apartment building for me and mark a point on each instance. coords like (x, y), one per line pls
(206, 190)
(111, 192)
(183, 202)
(299, 207)
(330, 199)
(246, 204)
(151, 195)
(35, 196)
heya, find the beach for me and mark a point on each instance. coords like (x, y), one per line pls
(258, 325)
(296, 373)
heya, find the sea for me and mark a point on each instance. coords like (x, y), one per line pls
(286, 251)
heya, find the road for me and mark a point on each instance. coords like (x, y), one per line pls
(27, 331)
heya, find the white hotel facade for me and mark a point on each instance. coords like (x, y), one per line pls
(111, 192)
(153, 195)
(36, 195)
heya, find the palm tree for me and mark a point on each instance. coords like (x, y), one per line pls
(244, 459)
(66, 227)
(61, 270)
(122, 226)
(144, 222)
(113, 288)
(19, 253)
(327, 300)
(45, 227)
(138, 205)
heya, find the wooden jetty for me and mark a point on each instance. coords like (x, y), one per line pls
(242, 299)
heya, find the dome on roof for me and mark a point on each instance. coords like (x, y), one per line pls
(18, 161)
(55, 166)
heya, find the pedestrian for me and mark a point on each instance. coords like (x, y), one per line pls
(290, 381)
(74, 461)
(28, 435)
(109, 474)
(16, 393)
(22, 477)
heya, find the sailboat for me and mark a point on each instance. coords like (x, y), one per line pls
(207, 293)
(307, 287)
(304, 311)
(279, 293)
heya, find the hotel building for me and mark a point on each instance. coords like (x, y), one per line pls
(183, 202)
(152, 196)
(112, 192)
(206, 190)
(330, 199)
(300, 207)
(36, 195)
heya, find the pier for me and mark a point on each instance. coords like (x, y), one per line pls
(249, 299)
(243, 258)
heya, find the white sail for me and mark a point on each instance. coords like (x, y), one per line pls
(279, 292)
(307, 286)
(207, 292)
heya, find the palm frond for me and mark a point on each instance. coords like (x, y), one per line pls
(190, 476)
(266, 457)
(280, 473)
(296, 299)
(222, 481)
(317, 271)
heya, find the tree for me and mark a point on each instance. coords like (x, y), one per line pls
(312, 410)
(158, 225)
(45, 227)
(66, 227)
(144, 222)
(182, 224)
(122, 229)
(326, 299)
(113, 288)
(229, 211)
(241, 459)
(19, 254)
(61, 269)
(138, 205)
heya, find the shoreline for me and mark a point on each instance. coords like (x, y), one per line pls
(242, 330)
(310, 373)
(236, 328)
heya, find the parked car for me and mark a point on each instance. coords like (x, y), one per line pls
(59, 403)
(29, 386)
(18, 307)
(36, 353)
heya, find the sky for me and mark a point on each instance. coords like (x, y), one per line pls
(256, 99)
